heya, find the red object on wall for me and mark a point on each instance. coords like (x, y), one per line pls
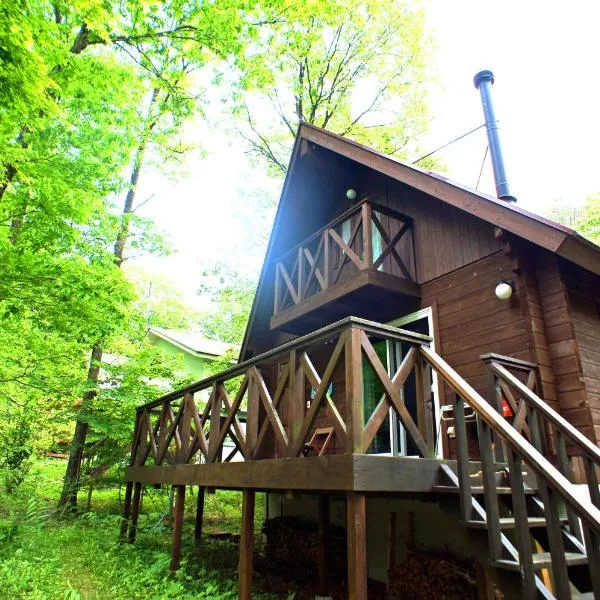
(506, 409)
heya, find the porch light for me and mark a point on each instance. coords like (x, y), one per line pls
(351, 194)
(504, 290)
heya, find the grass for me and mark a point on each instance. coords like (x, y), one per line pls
(44, 555)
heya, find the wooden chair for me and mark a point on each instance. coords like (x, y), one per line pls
(319, 441)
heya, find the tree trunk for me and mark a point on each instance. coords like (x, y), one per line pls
(71, 483)
(72, 476)
(138, 163)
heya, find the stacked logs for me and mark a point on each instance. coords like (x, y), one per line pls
(423, 577)
(294, 542)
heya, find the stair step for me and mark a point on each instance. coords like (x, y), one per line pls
(475, 489)
(543, 560)
(508, 523)
(585, 596)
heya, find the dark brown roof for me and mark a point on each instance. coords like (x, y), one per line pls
(547, 234)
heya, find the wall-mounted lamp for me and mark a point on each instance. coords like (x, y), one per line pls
(351, 194)
(504, 290)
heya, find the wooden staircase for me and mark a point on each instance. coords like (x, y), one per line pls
(538, 526)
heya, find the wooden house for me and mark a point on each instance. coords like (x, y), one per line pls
(422, 365)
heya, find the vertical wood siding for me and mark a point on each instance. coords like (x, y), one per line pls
(445, 237)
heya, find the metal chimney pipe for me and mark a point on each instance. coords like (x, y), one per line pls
(483, 82)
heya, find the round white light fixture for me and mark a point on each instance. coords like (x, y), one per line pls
(504, 290)
(351, 194)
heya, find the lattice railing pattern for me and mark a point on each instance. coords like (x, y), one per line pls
(282, 397)
(368, 236)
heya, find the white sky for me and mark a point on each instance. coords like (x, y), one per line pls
(545, 56)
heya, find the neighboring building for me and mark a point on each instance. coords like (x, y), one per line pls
(198, 352)
(458, 418)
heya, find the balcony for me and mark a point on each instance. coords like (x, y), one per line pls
(362, 263)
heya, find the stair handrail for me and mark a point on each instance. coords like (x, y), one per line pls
(553, 487)
(540, 465)
(587, 447)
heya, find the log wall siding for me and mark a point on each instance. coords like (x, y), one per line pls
(527, 282)
(472, 321)
(583, 293)
(562, 344)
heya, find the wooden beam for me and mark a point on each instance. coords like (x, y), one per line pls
(336, 291)
(252, 414)
(354, 391)
(179, 491)
(296, 399)
(215, 424)
(357, 546)
(135, 512)
(367, 225)
(246, 545)
(199, 516)
(324, 546)
(335, 472)
(126, 510)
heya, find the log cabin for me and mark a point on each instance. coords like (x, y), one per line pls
(421, 367)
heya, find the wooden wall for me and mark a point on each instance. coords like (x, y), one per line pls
(472, 321)
(583, 295)
(529, 282)
(445, 237)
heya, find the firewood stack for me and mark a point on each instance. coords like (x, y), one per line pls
(426, 577)
(295, 542)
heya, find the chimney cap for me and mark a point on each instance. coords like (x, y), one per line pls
(481, 76)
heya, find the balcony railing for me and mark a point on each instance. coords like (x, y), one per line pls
(366, 237)
(288, 394)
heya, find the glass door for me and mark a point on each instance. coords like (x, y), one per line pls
(392, 438)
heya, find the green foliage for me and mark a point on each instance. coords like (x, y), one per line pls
(15, 450)
(42, 556)
(25, 81)
(230, 295)
(356, 68)
(589, 223)
(560, 211)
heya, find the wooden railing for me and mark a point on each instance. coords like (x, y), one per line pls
(288, 393)
(368, 236)
(543, 426)
(557, 494)
(294, 380)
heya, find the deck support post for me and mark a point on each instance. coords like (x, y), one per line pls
(179, 491)
(135, 511)
(246, 545)
(324, 545)
(126, 510)
(199, 516)
(357, 546)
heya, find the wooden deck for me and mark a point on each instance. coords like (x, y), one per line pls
(345, 472)
(288, 395)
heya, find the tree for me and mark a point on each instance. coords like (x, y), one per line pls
(167, 43)
(229, 294)
(589, 223)
(356, 68)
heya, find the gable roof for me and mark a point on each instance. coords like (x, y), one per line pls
(543, 232)
(193, 343)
